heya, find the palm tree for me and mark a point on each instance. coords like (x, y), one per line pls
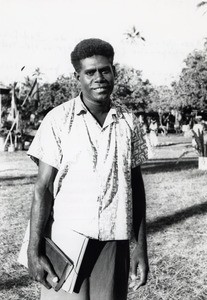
(133, 35)
(37, 73)
(201, 4)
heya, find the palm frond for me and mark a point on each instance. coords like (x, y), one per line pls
(199, 138)
(202, 3)
(134, 35)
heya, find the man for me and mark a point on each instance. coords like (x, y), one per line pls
(89, 153)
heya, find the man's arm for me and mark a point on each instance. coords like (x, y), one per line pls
(40, 212)
(139, 255)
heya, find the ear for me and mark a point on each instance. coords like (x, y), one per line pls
(114, 70)
(77, 76)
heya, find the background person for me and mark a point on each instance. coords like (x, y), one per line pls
(153, 128)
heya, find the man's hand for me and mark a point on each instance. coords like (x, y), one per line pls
(39, 267)
(139, 260)
(42, 206)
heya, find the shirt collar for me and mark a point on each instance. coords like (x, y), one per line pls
(80, 107)
(115, 111)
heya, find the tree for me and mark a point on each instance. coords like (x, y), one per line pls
(130, 89)
(191, 89)
(136, 93)
(58, 92)
(44, 96)
(134, 35)
(162, 99)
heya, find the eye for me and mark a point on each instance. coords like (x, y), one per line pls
(106, 71)
(89, 73)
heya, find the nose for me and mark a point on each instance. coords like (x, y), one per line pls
(98, 76)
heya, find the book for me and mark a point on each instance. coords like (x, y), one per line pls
(62, 265)
(71, 244)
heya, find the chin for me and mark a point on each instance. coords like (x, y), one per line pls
(101, 97)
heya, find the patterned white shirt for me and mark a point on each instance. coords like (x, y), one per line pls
(92, 189)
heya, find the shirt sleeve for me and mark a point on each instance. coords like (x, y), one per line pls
(46, 145)
(139, 146)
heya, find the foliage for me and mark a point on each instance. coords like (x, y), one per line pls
(26, 108)
(162, 99)
(5, 108)
(131, 89)
(49, 95)
(62, 90)
(202, 4)
(201, 144)
(33, 104)
(134, 35)
(3, 132)
(191, 89)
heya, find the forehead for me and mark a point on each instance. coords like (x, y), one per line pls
(96, 61)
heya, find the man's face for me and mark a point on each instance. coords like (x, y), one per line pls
(97, 78)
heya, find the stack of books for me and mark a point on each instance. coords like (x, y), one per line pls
(65, 252)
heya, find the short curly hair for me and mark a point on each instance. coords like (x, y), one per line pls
(89, 47)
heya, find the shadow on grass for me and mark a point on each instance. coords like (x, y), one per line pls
(166, 221)
(169, 165)
(9, 283)
(13, 178)
(168, 144)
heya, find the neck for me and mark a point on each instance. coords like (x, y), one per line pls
(97, 108)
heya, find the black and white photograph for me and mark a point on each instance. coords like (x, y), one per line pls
(103, 150)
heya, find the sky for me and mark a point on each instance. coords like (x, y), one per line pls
(42, 34)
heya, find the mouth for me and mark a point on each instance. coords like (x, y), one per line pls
(101, 88)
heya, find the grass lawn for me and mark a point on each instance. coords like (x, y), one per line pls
(176, 221)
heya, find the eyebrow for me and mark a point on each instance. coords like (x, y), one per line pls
(95, 69)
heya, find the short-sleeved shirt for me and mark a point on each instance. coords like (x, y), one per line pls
(92, 188)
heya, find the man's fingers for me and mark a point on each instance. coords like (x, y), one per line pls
(46, 284)
(133, 277)
(134, 270)
(39, 274)
(42, 279)
(143, 279)
(49, 269)
(51, 273)
(136, 285)
(133, 281)
(143, 275)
